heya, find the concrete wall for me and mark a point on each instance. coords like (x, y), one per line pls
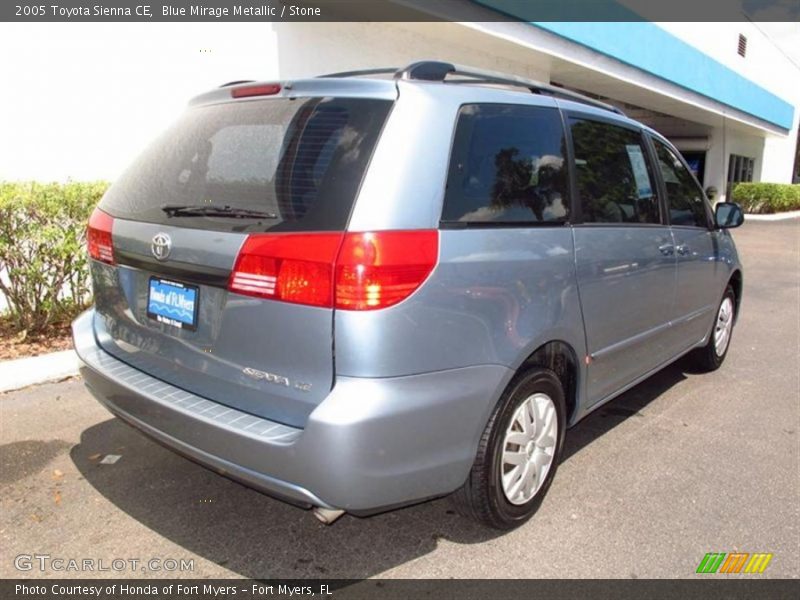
(309, 49)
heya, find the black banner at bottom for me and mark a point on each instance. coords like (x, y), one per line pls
(707, 588)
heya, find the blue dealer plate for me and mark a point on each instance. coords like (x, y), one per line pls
(173, 303)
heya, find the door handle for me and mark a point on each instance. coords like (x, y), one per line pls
(667, 249)
(683, 250)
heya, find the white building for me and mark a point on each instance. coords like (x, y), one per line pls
(89, 96)
(724, 93)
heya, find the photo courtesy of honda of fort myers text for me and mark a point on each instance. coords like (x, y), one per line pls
(399, 298)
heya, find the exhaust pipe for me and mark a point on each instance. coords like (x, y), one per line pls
(327, 515)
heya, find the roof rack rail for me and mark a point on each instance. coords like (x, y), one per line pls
(378, 71)
(434, 70)
(438, 71)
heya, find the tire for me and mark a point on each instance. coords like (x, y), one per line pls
(484, 497)
(711, 356)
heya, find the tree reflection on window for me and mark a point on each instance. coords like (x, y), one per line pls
(507, 166)
(615, 179)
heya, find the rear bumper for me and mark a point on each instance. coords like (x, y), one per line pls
(371, 444)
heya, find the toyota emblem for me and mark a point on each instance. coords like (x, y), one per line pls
(161, 246)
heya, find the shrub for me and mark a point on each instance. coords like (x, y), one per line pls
(43, 265)
(767, 197)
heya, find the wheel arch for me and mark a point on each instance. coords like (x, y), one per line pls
(736, 282)
(561, 358)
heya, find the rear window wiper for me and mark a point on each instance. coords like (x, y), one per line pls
(214, 210)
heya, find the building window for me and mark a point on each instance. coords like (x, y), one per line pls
(742, 45)
(740, 168)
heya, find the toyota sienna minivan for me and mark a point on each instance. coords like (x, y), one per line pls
(360, 291)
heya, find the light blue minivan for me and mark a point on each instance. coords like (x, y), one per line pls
(360, 291)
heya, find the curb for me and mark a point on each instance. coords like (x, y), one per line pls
(22, 372)
(792, 214)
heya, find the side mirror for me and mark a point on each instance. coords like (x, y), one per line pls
(728, 215)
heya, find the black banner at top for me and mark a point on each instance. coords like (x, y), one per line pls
(397, 10)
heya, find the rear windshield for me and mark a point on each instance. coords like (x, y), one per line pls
(300, 161)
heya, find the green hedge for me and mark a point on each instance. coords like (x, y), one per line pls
(42, 250)
(767, 197)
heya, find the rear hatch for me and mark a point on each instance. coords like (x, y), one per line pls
(214, 252)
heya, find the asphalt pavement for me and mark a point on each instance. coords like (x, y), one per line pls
(682, 465)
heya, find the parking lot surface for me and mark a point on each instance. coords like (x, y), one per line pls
(682, 465)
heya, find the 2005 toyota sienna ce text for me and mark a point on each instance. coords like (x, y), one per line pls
(361, 291)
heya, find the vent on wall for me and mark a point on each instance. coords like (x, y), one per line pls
(742, 45)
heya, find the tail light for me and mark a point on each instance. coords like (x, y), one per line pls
(351, 271)
(98, 237)
(376, 270)
(291, 267)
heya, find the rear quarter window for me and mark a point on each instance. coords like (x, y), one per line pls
(299, 160)
(507, 166)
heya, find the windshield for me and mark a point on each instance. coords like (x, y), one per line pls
(296, 162)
